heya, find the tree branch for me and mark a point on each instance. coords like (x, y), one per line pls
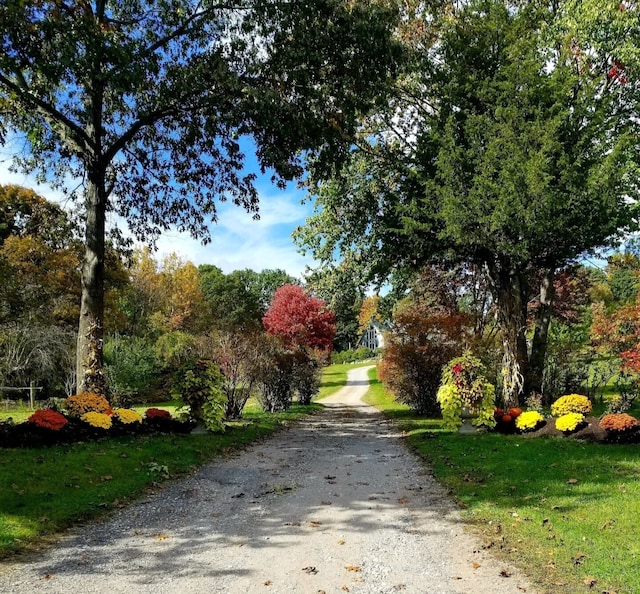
(76, 140)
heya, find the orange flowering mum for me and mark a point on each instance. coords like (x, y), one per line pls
(86, 402)
(619, 422)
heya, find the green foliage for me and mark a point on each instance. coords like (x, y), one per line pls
(119, 96)
(306, 377)
(237, 354)
(518, 126)
(354, 355)
(174, 349)
(275, 372)
(199, 386)
(131, 366)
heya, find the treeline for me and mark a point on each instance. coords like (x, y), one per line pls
(162, 316)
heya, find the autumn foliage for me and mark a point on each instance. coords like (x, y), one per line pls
(300, 319)
(423, 339)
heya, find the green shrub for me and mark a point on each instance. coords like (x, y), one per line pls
(275, 372)
(237, 354)
(354, 355)
(199, 386)
(175, 349)
(306, 377)
(464, 385)
(131, 367)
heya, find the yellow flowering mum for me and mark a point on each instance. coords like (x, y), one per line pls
(569, 422)
(572, 403)
(527, 421)
(127, 416)
(96, 419)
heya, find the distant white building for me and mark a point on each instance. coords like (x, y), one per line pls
(373, 336)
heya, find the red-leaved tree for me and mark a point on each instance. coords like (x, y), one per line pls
(300, 319)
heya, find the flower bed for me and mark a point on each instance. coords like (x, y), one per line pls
(49, 427)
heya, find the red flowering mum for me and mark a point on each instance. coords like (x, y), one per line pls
(48, 419)
(157, 413)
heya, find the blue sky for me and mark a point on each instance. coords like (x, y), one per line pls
(238, 241)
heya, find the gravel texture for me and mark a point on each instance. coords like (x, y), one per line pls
(336, 503)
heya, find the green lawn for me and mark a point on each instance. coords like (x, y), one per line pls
(565, 511)
(335, 376)
(44, 490)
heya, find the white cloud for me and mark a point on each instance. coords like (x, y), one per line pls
(238, 242)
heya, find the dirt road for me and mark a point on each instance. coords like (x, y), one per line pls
(334, 504)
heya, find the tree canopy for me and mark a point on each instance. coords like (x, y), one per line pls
(509, 144)
(301, 320)
(144, 103)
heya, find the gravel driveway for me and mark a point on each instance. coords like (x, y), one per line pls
(334, 504)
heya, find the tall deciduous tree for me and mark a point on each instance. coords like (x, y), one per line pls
(506, 147)
(145, 102)
(240, 299)
(300, 320)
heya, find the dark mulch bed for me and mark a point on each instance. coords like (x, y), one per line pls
(591, 431)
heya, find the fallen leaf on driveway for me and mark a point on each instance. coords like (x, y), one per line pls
(352, 568)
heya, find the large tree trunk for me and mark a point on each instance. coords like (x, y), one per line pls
(535, 372)
(511, 292)
(89, 361)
